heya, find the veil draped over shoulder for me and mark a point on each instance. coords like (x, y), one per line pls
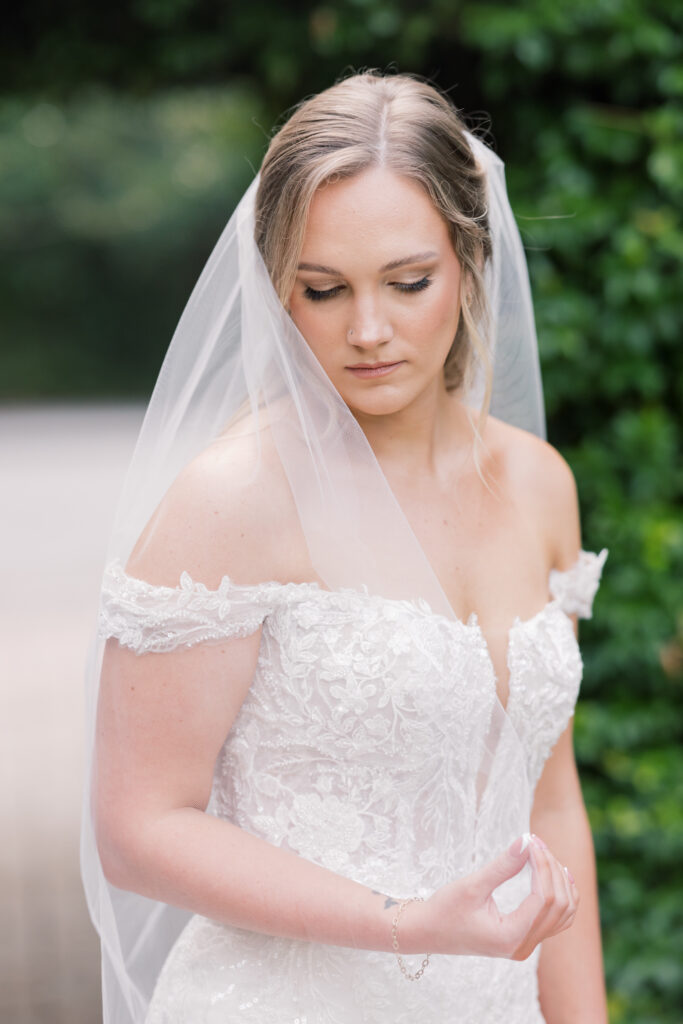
(240, 380)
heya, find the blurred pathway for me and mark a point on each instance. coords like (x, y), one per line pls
(61, 469)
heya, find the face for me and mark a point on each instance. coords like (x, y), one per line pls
(377, 291)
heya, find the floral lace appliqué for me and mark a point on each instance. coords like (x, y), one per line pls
(575, 588)
(157, 619)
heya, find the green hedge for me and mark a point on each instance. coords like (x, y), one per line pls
(108, 209)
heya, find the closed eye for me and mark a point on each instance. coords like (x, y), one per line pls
(413, 286)
(319, 295)
(316, 296)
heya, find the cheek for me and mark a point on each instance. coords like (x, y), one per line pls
(314, 320)
(436, 322)
(317, 325)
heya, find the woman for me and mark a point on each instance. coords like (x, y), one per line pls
(335, 690)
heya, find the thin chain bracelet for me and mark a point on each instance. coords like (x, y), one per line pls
(394, 942)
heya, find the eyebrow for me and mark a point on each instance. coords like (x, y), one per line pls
(418, 257)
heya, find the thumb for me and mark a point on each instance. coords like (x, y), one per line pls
(505, 866)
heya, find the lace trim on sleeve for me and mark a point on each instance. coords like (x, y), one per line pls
(575, 588)
(150, 618)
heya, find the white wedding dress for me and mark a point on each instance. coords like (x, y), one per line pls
(358, 747)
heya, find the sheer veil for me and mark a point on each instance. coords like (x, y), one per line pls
(240, 381)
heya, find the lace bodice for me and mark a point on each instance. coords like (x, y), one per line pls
(361, 737)
(369, 680)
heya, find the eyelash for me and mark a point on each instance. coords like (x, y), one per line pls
(329, 293)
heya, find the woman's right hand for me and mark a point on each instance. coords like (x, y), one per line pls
(463, 918)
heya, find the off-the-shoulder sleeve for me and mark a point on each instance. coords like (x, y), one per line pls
(149, 618)
(575, 588)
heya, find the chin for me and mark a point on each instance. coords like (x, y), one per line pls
(378, 401)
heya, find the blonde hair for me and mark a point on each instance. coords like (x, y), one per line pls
(394, 121)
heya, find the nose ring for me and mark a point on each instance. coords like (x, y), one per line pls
(350, 331)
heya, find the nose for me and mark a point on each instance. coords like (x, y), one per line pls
(369, 325)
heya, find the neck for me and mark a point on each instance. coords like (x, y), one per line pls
(430, 435)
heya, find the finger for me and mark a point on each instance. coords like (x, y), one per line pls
(506, 865)
(559, 910)
(543, 886)
(541, 871)
(576, 895)
(573, 898)
(573, 889)
(568, 896)
(523, 927)
(556, 898)
(518, 927)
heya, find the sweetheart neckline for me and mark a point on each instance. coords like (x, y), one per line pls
(471, 623)
(416, 604)
(420, 605)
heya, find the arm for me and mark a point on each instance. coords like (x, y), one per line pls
(570, 973)
(571, 983)
(156, 749)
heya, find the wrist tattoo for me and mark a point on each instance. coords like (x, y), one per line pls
(389, 901)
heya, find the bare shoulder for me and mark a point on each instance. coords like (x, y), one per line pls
(542, 483)
(215, 520)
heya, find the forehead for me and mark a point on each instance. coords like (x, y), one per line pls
(373, 217)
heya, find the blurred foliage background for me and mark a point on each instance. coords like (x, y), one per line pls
(128, 132)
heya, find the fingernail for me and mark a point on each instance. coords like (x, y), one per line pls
(539, 842)
(520, 845)
(569, 875)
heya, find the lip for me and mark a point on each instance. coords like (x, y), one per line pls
(367, 370)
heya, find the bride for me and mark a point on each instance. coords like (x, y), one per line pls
(340, 607)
